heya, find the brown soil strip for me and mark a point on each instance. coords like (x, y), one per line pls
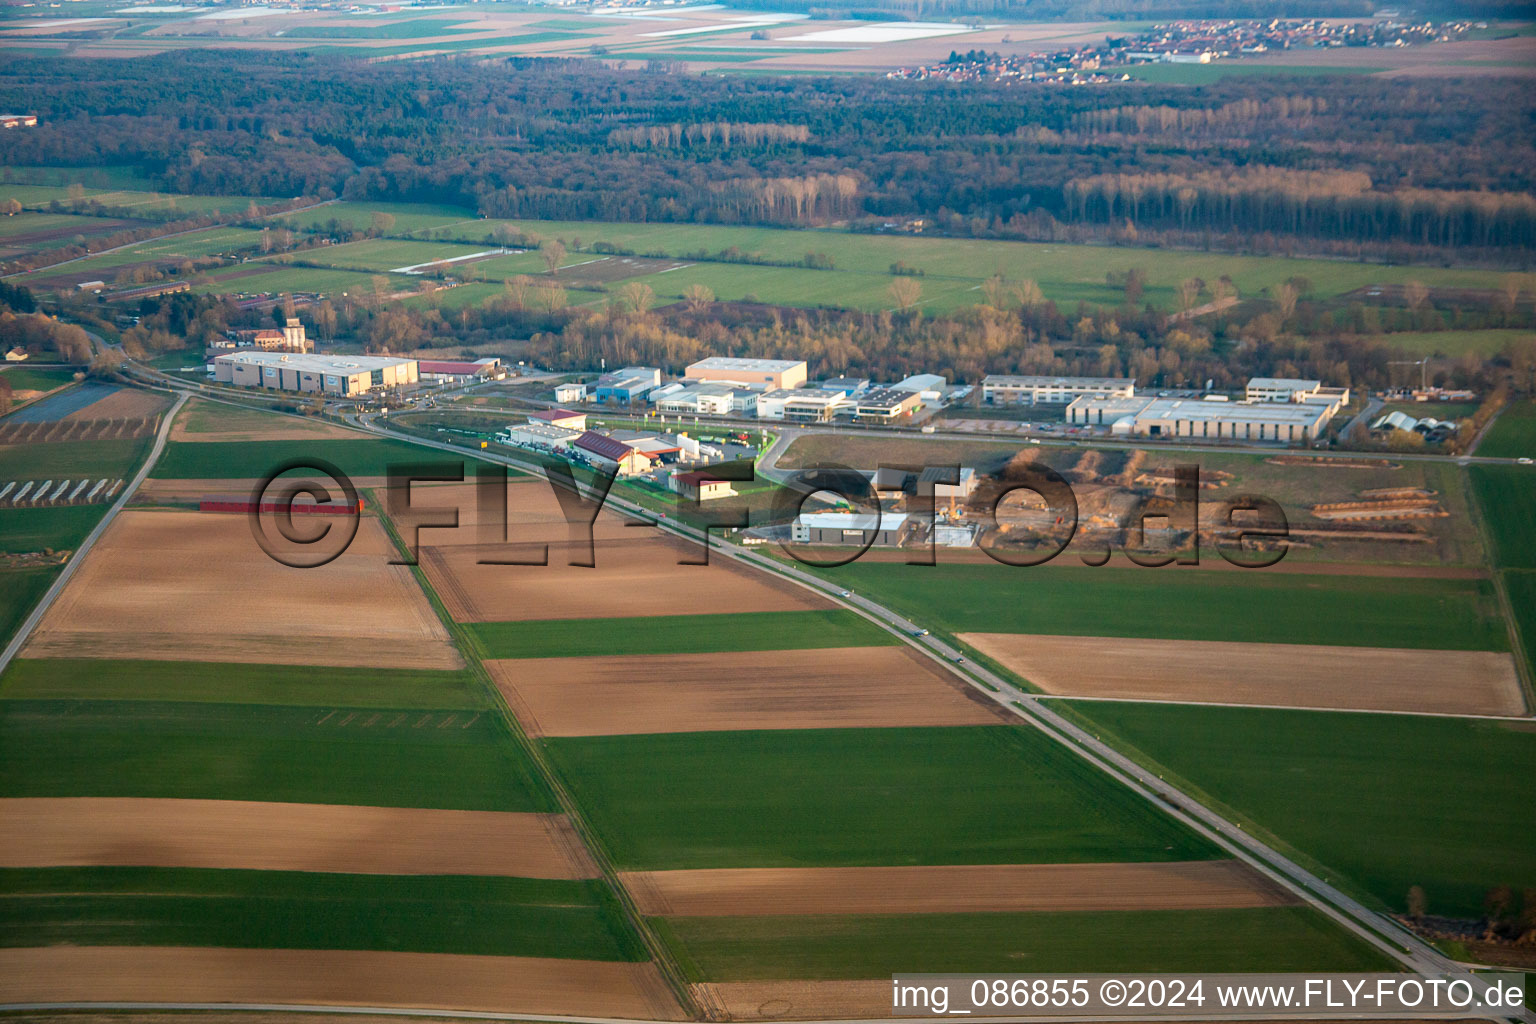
(963, 889)
(334, 977)
(186, 586)
(852, 687)
(638, 576)
(1289, 675)
(124, 403)
(134, 832)
(533, 516)
(1209, 562)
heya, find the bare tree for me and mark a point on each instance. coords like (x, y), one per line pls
(516, 289)
(12, 207)
(383, 222)
(551, 297)
(1189, 291)
(905, 291)
(1415, 294)
(698, 298)
(995, 291)
(637, 296)
(1418, 904)
(554, 255)
(1224, 289)
(1028, 293)
(1285, 300)
(1511, 286)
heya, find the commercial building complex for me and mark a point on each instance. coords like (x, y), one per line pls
(329, 375)
(1009, 389)
(884, 405)
(1286, 422)
(763, 374)
(630, 384)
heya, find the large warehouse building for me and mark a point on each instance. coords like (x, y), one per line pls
(763, 374)
(1285, 422)
(329, 375)
(1010, 389)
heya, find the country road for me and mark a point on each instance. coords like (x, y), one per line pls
(78, 555)
(1374, 928)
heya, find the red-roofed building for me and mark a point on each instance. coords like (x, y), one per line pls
(700, 486)
(560, 418)
(605, 451)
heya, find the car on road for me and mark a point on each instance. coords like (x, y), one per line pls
(919, 632)
(1523, 461)
(959, 660)
(845, 593)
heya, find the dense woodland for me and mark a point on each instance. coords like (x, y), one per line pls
(1345, 165)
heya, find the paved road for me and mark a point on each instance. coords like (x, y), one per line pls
(1376, 929)
(79, 553)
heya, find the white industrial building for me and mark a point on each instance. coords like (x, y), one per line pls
(1284, 422)
(806, 405)
(760, 374)
(1011, 389)
(329, 375)
(706, 399)
(528, 434)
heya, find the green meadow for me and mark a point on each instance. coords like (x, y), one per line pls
(836, 947)
(1385, 802)
(363, 457)
(335, 754)
(206, 682)
(132, 906)
(1513, 433)
(840, 797)
(1177, 603)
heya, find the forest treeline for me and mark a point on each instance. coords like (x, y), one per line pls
(1350, 165)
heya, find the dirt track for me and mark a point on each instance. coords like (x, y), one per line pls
(969, 889)
(1291, 675)
(187, 586)
(636, 576)
(287, 837)
(334, 977)
(849, 687)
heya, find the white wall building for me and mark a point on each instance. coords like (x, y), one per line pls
(1011, 389)
(1282, 422)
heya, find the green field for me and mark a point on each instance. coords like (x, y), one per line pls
(56, 529)
(1389, 801)
(1176, 603)
(953, 268)
(336, 754)
(200, 416)
(384, 254)
(275, 278)
(42, 378)
(838, 797)
(1507, 495)
(19, 224)
(676, 634)
(61, 460)
(20, 590)
(128, 906)
(42, 195)
(359, 216)
(845, 947)
(1521, 586)
(1513, 434)
(170, 249)
(363, 457)
(1484, 343)
(204, 682)
(104, 177)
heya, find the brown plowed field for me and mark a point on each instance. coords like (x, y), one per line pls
(334, 977)
(215, 421)
(1288, 675)
(533, 516)
(638, 576)
(962, 889)
(186, 586)
(153, 491)
(798, 1000)
(124, 403)
(849, 687)
(135, 832)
